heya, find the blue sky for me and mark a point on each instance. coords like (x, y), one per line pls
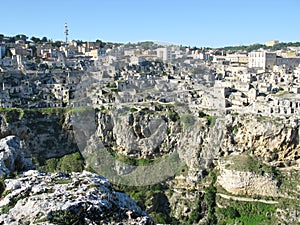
(212, 23)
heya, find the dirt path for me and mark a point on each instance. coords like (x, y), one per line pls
(246, 199)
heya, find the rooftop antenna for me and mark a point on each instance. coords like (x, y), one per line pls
(66, 32)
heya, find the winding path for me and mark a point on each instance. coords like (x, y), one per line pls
(246, 199)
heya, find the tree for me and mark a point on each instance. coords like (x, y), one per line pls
(35, 39)
(56, 44)
(21, 37)
(34, 50)
(44, 39)
(102, 44)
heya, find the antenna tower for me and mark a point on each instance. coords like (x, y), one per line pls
(66, 32)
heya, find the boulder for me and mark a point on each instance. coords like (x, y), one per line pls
(58, 198)
(10, 155)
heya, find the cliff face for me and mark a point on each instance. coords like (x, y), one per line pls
(241, 175)
(247, 151)
(42, 134)
(152, 134)
(143, 146)
(200, 142)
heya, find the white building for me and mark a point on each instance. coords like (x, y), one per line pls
(136, 60)
(165, 54)
(297, 73)
(262, 59)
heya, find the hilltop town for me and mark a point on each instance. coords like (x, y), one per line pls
(193, 135)
(41, 73)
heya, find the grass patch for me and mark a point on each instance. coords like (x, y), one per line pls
(5, 209)
(68, 163)
(12, 114)
(249, 164)
(133, 161)
(247, 213)
(152, 199)
(63, 181)
(188, 120)
(290, 181)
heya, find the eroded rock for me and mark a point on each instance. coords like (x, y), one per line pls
(83, 198)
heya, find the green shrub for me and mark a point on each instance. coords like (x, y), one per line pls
(210, 199)
(159, 107)
(68, 163)
(188, 120)
(211, 120)
(173, 115)
(247, 213)
(229, 212)
(195, 215)
(133, 110)
(202, 114)
(64, 217)
(133, 161)
(249, 164)
(235, 128)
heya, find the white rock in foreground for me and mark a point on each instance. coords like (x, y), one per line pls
(78, 198)
(9, 151)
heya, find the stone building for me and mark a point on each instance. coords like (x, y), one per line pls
(262, 60)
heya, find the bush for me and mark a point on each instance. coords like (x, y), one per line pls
(211, 120)
(133, 110)
(195, 215)
(247, 213)
(173, 115)
(68, 163)
(159, 107)
(202, 114)
(188, 120)
(210, 199)
(230, 212)
(64, 217)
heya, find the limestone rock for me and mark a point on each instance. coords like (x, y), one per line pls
(11, 157)
(247, 182)
(86, 198)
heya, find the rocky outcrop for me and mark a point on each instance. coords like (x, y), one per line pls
(138, 134)
(156, 132)
(274, 140)
(42, 134)
(77, 198)
(11, 157)
(247, 182)
(151, 134)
